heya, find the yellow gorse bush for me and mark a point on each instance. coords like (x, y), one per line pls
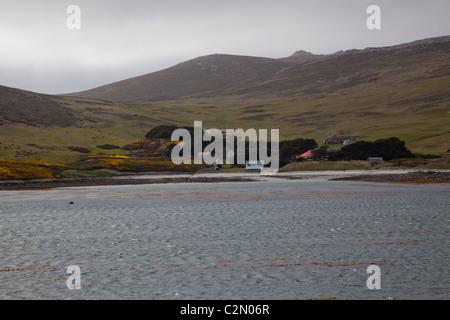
(126, 163)
(142, 144)
(29, 169)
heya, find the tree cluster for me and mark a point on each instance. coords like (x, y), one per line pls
(388, 149)
(290, 149)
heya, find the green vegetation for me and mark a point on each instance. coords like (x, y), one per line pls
(371, 95)
(141, 156)
(144, 155)
(133, 164)
(424, 129)
(165, 131)
(388, 149)
(28, 169)
(289, 149)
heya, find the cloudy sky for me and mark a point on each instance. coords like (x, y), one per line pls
(120, 39)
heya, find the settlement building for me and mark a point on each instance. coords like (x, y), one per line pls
(333, 139)
(254, 165)
(307, 155)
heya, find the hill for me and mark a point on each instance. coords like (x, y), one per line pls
(301, 74)
(29, 108)
(200, 77)
(401, 91)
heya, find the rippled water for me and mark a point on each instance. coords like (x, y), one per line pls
(255, 240)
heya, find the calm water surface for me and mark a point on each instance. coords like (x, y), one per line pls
(255, 240)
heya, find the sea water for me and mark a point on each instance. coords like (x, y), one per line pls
(243, 240)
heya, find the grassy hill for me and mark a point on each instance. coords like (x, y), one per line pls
(401, 91)
(29, 108)
(200, 77)
(302, 74)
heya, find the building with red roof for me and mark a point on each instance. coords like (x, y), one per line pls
(307, 155)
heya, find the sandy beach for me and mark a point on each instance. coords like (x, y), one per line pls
(400, 176)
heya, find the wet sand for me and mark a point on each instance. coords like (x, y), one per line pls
(399, 176)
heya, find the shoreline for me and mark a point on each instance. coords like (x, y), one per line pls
(414, 178)
(393, 176)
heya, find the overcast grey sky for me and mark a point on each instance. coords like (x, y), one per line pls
(120, 39)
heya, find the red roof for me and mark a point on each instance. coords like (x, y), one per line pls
(306, 154)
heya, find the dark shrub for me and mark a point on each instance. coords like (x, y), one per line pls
(165, 132)
(388, 149)
(108, 146)
(79, 149)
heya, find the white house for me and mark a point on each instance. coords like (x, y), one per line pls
(212, 131)
(347, 142)
(254, 165)
(218, 164)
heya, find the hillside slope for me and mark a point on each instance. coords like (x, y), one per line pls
(401, 91)
(34, 109)
(200, 77)
(300, 74)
